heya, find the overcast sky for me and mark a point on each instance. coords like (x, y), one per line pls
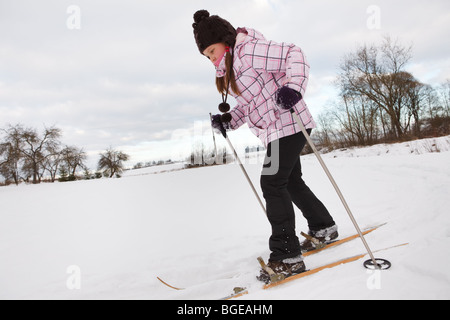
(128, 74)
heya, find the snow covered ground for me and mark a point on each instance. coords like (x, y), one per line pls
(202, 230)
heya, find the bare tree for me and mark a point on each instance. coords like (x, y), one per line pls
(325, 133)
(10, 153)
(444, 95)
(111, 162)
(358, 117)
(51, 164)
(376, 73)
(380, 101)
(73, 158)
(37, 149)
(25, 154)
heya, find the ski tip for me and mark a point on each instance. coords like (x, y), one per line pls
(165, 283)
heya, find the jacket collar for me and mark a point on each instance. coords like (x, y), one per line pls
(244, 36)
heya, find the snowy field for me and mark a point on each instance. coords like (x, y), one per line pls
(202, 230)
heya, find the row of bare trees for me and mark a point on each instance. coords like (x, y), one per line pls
(27, 155)
(379, 101)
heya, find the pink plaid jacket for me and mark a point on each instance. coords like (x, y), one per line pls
(261, 68)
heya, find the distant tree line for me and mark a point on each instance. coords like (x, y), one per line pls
(153, 163)
(201, 157)
(379, 101)
(29, 156)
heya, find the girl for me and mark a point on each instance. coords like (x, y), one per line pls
(268, 79)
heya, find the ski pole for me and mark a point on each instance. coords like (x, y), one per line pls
(214, 139)
(245, 172)
(333, 182)
(224, 133)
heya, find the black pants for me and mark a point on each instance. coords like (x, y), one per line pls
(282, 184)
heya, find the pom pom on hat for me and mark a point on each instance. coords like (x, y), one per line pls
(213, 29)
(200, 15)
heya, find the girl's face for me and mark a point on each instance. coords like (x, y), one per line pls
(215, 52)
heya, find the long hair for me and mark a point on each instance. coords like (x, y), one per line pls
(222, 82)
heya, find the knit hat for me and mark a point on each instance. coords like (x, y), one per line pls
(209, 30)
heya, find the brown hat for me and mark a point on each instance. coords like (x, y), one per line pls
(209, 30)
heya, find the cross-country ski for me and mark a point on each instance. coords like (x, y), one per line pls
(243, 291)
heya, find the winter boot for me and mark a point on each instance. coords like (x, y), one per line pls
(325, 236)
(286, 267)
